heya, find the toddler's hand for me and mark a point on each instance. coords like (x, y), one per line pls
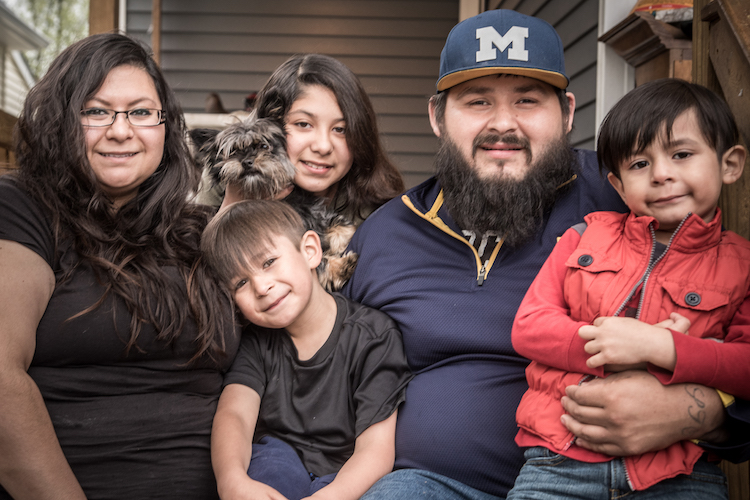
(676, 322)
(616, 343)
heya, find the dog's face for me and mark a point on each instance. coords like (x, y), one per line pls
(251, 153)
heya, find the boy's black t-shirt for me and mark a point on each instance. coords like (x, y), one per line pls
(319, 406)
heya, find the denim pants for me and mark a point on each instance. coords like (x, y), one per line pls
(276, 464)
(412, 484)
(547, 475)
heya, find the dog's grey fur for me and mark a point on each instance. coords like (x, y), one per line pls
(252, 153)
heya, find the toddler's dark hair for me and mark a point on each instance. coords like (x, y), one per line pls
(649, 110)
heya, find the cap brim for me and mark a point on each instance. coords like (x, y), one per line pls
(453, 79)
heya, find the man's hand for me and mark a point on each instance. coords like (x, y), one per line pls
(631, 413)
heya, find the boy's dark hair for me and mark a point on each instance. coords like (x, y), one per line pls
(639, 118)
(236, 237)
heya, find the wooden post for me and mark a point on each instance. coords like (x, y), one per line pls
(469, 8)
(7, 159)
(703, 71)
(156, 30)
(103, 16)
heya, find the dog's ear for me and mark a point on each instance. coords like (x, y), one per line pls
(201, 136)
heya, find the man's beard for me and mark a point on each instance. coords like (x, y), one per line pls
(512, 208)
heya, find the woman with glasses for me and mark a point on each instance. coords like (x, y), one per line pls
(113, 337)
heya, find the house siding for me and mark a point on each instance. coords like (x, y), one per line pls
(13, 87)
(231, 47)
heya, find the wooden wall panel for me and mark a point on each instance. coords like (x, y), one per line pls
(231, 47)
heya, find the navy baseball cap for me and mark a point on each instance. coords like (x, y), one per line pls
(502, 41)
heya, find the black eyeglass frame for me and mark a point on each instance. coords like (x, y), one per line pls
(160, 112)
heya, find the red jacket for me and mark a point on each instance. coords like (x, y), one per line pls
(704, 275)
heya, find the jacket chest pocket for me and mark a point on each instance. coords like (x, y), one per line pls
(589, 289)
(709, 309)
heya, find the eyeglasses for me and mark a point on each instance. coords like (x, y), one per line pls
(139, 117)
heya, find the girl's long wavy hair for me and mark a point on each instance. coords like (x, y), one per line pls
(373, 179)
(128, 248)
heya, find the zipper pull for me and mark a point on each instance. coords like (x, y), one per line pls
(482, 274)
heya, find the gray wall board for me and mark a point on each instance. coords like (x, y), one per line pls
(422, 144)
(301, 25)
(409, 125)
(583, 86)
(532, 7)
(583, 20)
(581, 55)
(266, 63)
(582, 137)
(243, 82)
(291, 44)
(396, 9)
(554, 12)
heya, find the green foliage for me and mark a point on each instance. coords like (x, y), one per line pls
(61, 21)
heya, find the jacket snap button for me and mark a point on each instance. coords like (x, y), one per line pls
(585, 260)
(692, 299)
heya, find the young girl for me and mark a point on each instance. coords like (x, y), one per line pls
(332, 135)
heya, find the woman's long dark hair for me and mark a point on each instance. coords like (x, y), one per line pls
(130, 247)
(373, 179)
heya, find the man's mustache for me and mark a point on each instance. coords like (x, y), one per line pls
(483, 140)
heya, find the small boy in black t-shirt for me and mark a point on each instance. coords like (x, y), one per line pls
(309, 405)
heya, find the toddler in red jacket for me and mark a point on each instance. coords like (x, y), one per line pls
(663, 288)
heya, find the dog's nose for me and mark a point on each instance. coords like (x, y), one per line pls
(248, 164)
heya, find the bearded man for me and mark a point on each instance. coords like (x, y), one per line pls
(451, 260)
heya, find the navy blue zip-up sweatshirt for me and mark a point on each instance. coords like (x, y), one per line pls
(455, 312)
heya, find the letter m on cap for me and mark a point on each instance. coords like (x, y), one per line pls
(515, 38)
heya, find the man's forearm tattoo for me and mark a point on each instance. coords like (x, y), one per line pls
(696, 410)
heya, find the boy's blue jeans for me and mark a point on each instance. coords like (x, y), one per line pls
(547, 475)
(276, 464)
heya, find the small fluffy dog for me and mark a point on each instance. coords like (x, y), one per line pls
(252, 153)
